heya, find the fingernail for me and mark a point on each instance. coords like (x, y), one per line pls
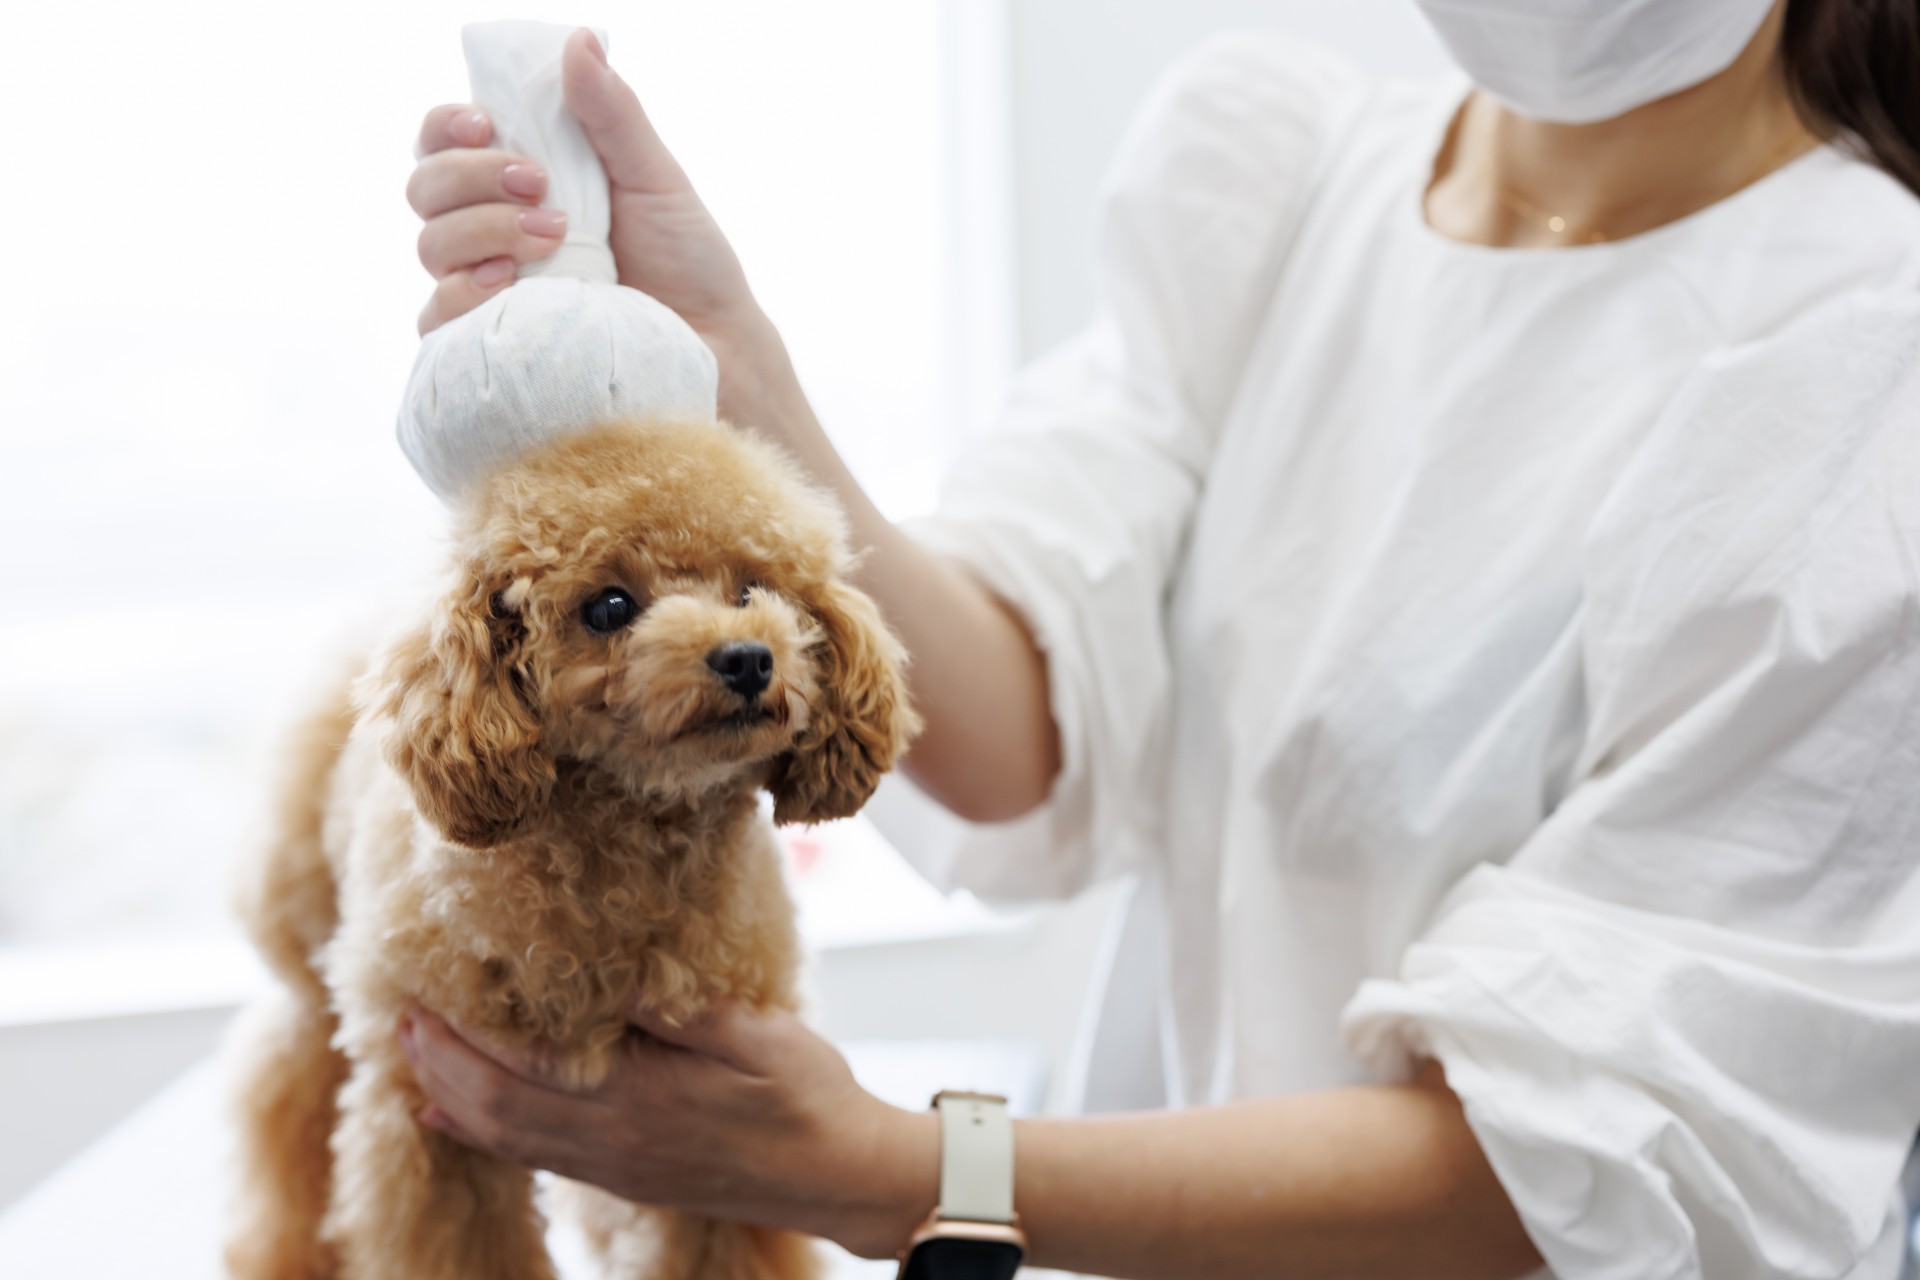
(544, 222)
(523, 179)
(492, 272)
(434, 1118)
(593, 47)
(469, 128)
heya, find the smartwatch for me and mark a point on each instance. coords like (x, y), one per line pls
(973, 1233)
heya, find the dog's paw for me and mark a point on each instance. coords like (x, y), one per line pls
(581, 1073)
(585, 1065)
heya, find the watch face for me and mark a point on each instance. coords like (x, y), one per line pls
(949, 1259)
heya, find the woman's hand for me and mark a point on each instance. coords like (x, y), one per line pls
(480, 207)
(743, 1114)
(480, 226)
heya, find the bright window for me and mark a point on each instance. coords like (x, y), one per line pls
(213, 293)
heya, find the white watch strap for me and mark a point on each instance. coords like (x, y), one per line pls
(976, 1157)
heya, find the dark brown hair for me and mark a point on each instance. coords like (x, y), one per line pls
(1853, 68)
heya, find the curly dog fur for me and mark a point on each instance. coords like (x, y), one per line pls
(526, 824)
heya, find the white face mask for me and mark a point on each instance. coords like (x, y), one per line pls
(1577, 61)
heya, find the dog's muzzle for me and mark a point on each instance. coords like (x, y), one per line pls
(744, 666)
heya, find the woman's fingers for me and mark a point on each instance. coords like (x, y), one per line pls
(459, 292)
(525, 1061)
(467, 237)
(479, 223)
(457, 124)
(494, 1099)
(705, 1033)
(451, 1071)
(733, 1033)
(488, 1095)
(455, 179)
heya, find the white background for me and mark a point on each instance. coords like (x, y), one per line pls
(1079, 69)
(212, 291)
(211, 295)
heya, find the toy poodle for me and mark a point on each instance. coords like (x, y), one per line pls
(535, 807)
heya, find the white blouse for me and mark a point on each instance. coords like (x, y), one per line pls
(1509, 656)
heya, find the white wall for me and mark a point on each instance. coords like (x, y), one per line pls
(65, 1083)
(1078, 68)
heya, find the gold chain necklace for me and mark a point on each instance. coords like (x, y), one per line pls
(1551, 221)
(1559, 226)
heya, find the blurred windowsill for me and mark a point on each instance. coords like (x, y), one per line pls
(852, 889)
(47, 984)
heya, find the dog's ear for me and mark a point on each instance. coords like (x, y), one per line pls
(861, 719)
(462, 732)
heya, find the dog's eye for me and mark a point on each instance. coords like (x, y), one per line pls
(612, 610)
(745, 597)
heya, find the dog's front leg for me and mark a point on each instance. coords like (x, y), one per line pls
(289, 1077)
(412, 1204)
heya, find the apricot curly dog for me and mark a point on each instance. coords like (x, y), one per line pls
(536, 807)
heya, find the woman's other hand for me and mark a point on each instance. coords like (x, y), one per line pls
(742, 1114)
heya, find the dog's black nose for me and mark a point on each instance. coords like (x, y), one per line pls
(744, 666)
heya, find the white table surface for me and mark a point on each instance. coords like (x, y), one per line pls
(146, 1200)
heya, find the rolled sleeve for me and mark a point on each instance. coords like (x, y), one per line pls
(1075, 511)
(1075, 531)
(1684, 1018)
(1661, 1097)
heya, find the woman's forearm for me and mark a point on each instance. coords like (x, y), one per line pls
(748, 1114)
(990, 749)
(1363, 1181)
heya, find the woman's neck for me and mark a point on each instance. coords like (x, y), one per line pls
(1505, 180)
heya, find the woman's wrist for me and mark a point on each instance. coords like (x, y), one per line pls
(758, 385)
(760, 390)
(890, 1184)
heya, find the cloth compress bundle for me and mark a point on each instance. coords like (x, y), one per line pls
(565, 346)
